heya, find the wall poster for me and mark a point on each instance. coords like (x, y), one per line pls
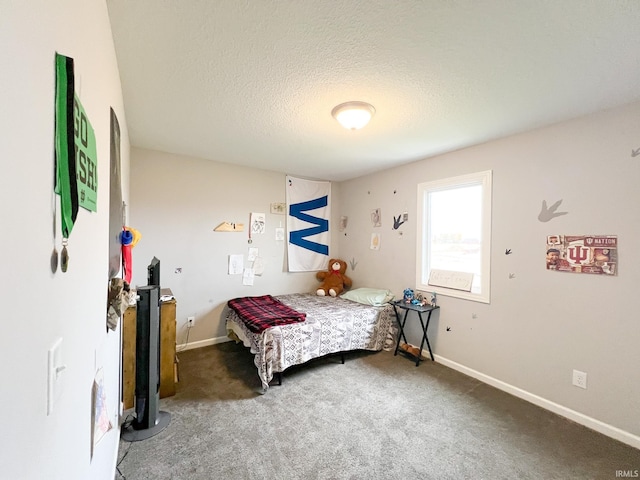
(594, 254)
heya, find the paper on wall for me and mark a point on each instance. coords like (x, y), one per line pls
(258, 223)
(376, 217)
(375, 241)
(99, 414)
(247, 276)
(258, 266)
(236, 264)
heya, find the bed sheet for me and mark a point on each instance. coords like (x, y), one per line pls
(332, 325)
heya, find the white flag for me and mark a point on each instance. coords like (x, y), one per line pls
(308, 214)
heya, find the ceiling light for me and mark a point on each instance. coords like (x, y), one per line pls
(353, 115)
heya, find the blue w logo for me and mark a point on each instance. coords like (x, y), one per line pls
(298, 237)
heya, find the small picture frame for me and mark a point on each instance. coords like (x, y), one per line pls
(278, 208)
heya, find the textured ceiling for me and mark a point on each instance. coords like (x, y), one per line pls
(253, 82)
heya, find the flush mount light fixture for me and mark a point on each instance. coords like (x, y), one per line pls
(353, 115)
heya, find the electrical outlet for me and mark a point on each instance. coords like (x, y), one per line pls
(191, 321)
(580, 379)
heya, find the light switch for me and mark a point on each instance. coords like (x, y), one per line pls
(55, 370)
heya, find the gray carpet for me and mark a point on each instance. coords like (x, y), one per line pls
(375, 417)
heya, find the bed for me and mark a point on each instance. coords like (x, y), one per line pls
(329, 325)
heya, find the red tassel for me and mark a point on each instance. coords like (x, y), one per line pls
(127, 264)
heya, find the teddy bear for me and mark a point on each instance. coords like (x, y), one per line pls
(334, 279)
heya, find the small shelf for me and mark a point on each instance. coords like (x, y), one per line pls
(419, 309)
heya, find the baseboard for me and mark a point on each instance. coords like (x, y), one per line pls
(201, 343)
(589, 422)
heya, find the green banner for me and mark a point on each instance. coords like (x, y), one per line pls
(65, 181)
(86, 158)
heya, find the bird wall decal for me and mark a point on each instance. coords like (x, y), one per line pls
(397, 222)
(549, 213)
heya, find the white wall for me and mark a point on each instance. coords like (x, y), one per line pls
(176, 202)
(541, 324)
(40, 307)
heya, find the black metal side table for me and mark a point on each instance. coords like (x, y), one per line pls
(420, 309)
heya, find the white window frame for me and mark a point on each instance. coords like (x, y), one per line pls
(423, 247)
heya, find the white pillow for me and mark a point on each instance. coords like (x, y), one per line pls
(369, 296)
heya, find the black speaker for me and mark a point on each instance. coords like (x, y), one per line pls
(149, 419)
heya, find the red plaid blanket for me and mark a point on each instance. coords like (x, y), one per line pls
(260, 313)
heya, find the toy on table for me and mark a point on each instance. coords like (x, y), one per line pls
(409, 296)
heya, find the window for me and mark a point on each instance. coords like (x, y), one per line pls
(454, 236)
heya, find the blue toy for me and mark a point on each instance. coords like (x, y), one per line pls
(408, 295)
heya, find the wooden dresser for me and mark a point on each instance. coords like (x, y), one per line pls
(167, 352)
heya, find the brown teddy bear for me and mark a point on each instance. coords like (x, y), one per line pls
(334, 279)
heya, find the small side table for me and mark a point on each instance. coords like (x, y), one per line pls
(420, 309)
